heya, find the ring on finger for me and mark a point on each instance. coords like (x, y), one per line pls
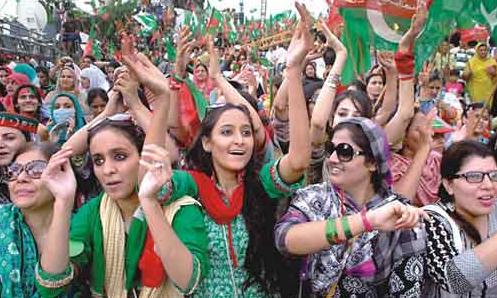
(158, 165)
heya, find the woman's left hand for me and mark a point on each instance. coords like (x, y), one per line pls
(214, 68)
(155, 160)
(302, 40)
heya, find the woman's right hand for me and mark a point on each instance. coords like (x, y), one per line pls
(147, 73)
(59, 178)
(394, 216)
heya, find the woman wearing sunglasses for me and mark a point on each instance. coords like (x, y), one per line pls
(110, 242)
(461, 228)
(351, 226)
(24, 224)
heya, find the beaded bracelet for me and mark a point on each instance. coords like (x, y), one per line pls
(367, 225)
(165, 192)
(346, 227)
(333, 80)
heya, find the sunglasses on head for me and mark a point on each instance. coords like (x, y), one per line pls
(33, 169)
(476, 176)
(345, 152)
(118, 119)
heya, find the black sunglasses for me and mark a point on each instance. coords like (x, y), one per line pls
(476, 176)
(345, 152)
(33, 169)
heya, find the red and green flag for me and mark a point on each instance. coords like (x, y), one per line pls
(215, 23)
(378, 25)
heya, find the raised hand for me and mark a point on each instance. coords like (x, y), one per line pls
(127, 85)
(417, 23)
(184, 48)
(59, 178)
(394, 216)
(302, 40)
(386, 60)
(147, 73)
(155, 160)
(331, 39)
(214, 68)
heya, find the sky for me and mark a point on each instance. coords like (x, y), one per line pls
(8, 7)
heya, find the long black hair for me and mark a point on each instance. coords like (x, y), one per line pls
(452, 161)
(266, 267)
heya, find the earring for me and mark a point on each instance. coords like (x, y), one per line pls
(451, 206)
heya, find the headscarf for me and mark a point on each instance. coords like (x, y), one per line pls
(97, 78)
(79, 116)
(27, 70)
(76, 77)
(379, 147)
(20, 79)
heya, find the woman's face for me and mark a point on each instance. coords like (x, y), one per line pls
(27, 192)
(27, 101)
(351, 174)
(97, 106)
(345, 109)
(309, 71)
(413, 136)
(11, 141)
(231, 142)
(434, 87)
(201, 73)
(85, 83)
(3, 76)
(67, 80)
(63, 102)
(482, 51)
(115, 162)
(375, 86)
(484, 122)
(11, 86)
(42, 78)
(474, 199)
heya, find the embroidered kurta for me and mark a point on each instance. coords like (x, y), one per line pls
(223, 280)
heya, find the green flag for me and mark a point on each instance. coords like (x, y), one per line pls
(148, 21)
(374, 24)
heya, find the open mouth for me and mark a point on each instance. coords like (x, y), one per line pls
(237, 152)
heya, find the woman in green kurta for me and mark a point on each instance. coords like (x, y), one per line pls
(238, 197)
(108, 235)
(24, 223)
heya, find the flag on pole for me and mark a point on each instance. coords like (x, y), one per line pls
(215, 22)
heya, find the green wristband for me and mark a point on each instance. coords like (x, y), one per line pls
(331, 231)
(346, 227)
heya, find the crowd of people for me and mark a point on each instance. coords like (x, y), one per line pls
(214, 175)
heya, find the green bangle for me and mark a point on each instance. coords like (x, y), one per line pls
(331, 231)
(346, 227)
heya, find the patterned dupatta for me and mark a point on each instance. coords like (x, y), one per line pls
(18, 254)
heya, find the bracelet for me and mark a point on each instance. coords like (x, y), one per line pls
(346, 227)
(333, 80)
(165, 192)
(331, 231)
(56, 283)
(367, 225)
